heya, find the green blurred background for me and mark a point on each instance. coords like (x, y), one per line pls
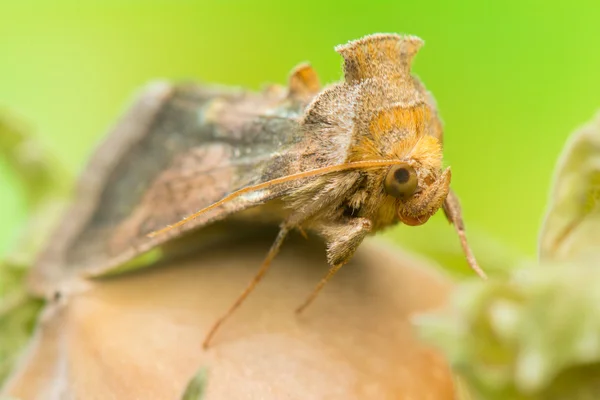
(512, 79)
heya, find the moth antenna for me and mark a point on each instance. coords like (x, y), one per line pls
(277, 181)
(460, 230)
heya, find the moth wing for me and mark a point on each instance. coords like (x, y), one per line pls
(177, 150)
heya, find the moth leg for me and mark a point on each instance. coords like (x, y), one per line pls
(283, 231)
(342, 241)
(453, 213)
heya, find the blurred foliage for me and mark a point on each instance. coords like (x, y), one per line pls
(196, 387)
(532, 337)
(535, 335)
(38, 174)
(573, 219)
(43, 182)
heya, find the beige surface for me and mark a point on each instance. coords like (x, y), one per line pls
(139, 336)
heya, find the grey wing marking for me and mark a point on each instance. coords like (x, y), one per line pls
(161, 162)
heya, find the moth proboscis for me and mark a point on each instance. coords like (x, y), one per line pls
(343, 162)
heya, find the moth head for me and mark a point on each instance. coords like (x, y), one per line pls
(416, 185)
(401, 181)
(381, 112)
(416, 199)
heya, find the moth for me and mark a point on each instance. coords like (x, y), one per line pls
(342, 162)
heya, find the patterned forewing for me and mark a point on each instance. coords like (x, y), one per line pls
(176, 151)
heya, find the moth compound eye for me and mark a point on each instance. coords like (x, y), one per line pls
(401, 181)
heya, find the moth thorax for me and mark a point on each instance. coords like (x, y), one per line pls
(399, 118)
(379, 55)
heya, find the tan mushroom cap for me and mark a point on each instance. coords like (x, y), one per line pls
(139, 336)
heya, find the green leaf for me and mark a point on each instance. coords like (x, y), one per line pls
(196, 387)
(44, 184)
(528, 337)
(39, 173)
(572, 222)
